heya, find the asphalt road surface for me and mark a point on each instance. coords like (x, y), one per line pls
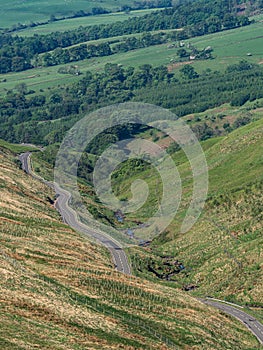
(249, 321)
(69, 216)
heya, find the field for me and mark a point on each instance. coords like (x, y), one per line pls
(233, 45)
(229, 47)
(26, 11)
(74, 23)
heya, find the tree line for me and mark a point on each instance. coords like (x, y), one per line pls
(44, 118)
(86, 51)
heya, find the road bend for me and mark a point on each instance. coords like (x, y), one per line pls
(249, 321)
(70, 217)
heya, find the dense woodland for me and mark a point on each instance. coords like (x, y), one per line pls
(195, 17)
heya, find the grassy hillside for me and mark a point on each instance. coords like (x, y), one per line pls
(60, 291)
(222, 253)
(220, 120)
(232, 46)
(16, 148)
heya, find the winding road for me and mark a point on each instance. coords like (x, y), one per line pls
(119, 257)
(70, 217)
(249, 321)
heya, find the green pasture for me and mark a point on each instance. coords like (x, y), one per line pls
(74, 23)
(13, 12)
(232, 45)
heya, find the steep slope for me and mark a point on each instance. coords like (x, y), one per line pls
(222, 253)
(228, 239)
(58, 291)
